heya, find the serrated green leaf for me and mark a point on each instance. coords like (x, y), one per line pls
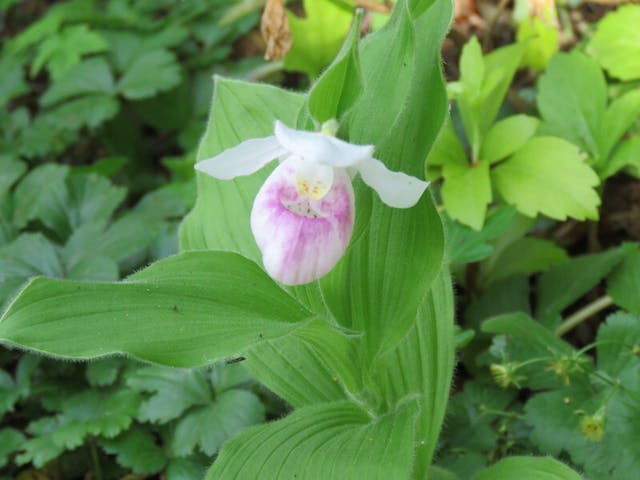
(103, 372)
(466, 192)
(506, 137)
(152, 72)
(326, 441)
(10, 441)
(549, 176)
(572, 97)
(186, 469)
(209, 427)
(174, 391)
(63, 50)
(88, 111)
(187, 310)
(136, 450)
(528, 468)
(617, 341)
(616, 43)
(90, 76)
(40, 187)
(624, 283)
(318, 36)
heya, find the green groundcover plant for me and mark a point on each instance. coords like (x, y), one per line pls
(314, 281)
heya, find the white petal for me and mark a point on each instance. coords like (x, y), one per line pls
(320, 148)
(301, 239)
(243, 159)
(396, 189)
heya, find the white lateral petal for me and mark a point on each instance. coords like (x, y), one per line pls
(396, 189)
(320, 148)
(243, 159)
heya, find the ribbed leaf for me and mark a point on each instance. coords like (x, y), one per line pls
(187, 310)
(422, 365)
(325, 442)
(528, 468)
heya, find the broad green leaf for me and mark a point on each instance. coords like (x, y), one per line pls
(422, 366)
(572, 97)
(624, 283)
(549, 176)
(240, 111)
(152, 72)
(11, 170)
(565, 283)
(524, 256)
(618, 118)
(173, 392)
(318, 36)
(466, 192)
(528, 468)
(437, 473)
(41, 186)
(91, 76)
(327, 441)
(11, 440)
(339, 86)
(210, 426)
(626, 155)
(506, 136)
(403, 100)
(185, 311)
(103, 372)
(616, 43)
(61, 51)
(136, 450)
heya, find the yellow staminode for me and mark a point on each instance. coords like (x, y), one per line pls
(314, 190)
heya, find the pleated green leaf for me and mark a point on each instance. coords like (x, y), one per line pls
(325, 442)
(422, 366)
(188, 310)
(378, 285)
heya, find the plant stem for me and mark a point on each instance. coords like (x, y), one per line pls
(93, 451)
(584, 313)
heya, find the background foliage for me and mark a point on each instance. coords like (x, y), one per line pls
(534, 175)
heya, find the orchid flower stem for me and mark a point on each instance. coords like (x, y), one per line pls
(584, 313)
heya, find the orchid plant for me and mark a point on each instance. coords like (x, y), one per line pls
(351, 319)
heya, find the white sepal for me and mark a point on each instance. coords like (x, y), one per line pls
(243, 159)
(396, 189)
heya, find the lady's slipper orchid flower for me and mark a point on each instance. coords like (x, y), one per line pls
(302, 217)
